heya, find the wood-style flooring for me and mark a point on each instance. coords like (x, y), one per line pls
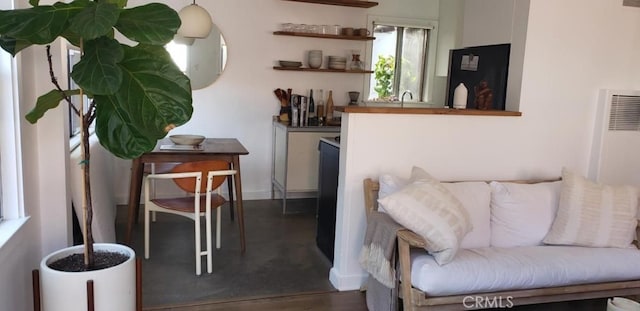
(328, 301)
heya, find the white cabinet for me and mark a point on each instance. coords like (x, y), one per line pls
(294, 172)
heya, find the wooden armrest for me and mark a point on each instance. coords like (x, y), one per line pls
(411, 238)
(406, 240)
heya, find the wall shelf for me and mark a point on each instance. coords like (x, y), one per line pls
(317, 35)
(351, 3)
(321, 70)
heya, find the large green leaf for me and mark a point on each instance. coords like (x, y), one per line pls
(48, 101)
(119, 3)
(41, 24)
(154, 23)
(98, 71)
(117, 132)
(12, 45)
(72, 37)
(155, 96)
(96, 20)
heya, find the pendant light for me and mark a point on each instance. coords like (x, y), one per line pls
(196, 21)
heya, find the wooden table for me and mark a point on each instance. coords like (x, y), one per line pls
(225, 149)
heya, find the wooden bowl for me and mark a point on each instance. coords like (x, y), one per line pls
(192, 140)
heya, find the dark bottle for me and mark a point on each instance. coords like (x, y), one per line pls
(312, 106)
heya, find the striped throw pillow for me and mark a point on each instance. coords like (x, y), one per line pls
(427, 208)
(593, 214)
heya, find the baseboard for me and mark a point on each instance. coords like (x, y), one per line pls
(346, 282)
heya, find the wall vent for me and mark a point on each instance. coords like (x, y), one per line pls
(615, 152)
(625, 113)
(634, 3)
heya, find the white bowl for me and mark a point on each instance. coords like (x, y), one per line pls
(187, 139)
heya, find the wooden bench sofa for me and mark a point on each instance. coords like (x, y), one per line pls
(415, 299)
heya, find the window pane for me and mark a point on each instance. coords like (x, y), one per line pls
(412, 66)
(73, 58)
(178, 53)
(1, 189)
(383, 62)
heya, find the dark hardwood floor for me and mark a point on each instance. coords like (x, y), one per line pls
(327, 301)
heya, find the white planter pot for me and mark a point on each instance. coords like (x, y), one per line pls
(114, 288)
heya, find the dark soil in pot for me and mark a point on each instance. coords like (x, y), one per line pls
(75, 262)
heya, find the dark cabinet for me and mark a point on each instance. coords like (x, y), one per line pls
(327, 196)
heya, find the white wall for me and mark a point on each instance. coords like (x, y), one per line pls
(568, 57)
(573, 48)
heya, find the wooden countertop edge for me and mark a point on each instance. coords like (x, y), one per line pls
(445, 111)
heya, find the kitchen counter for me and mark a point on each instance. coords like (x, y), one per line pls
(289, 128)
(294, 172)
(413, 110)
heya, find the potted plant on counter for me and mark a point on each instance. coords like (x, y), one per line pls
(136, 94)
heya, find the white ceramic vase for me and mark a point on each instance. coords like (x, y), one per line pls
(460, 97)
(114, 288)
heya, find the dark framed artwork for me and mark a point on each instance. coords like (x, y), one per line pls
(483, 70)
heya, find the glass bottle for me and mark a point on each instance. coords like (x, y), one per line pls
(320, 106)
(312, 106)
(329, 107)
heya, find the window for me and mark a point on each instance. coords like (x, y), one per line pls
(11, 205)
(179, 52)
(402, 58)
(73, 57)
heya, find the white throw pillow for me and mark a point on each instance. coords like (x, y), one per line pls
(521, 214)
(592, 214)
(475, 196)
(427, 208)
(388, 185)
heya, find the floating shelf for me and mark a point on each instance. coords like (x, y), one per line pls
(321, 70)
(317, 35)
(351, 3)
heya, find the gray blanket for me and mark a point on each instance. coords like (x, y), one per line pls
(378, 258)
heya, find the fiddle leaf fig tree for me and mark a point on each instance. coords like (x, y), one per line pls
(136, 92)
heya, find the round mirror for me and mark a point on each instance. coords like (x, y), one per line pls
(202, 60)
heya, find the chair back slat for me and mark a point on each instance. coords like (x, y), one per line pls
(189, 184)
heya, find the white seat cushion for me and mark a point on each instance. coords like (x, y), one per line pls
(497, 269)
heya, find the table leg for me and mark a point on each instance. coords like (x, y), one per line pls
(230, 185)
(238, 185)
(135, 185)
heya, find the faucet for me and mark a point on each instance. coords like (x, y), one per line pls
(402, 98)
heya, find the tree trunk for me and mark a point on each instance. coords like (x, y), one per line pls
(87, 207)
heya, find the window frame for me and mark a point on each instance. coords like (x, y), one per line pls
(429, 68)
(74, 132)
(11, 176)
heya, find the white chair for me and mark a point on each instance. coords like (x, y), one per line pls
(156, 168)
(188, 176)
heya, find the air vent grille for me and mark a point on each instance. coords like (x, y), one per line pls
(625, 113)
